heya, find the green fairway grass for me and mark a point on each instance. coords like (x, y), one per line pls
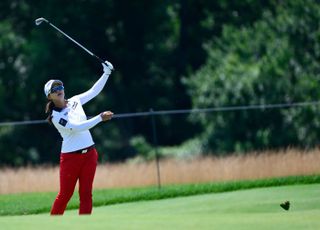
(245, 209)
(34, 203)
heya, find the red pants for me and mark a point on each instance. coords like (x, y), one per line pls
(74, 167)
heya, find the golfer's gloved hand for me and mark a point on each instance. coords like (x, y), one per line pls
(107, 67)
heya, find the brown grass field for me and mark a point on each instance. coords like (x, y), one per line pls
(173, 171)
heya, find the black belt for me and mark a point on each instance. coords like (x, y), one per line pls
(82, 151)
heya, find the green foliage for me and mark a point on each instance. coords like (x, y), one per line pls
(189, 149)
(249, 52)
(273, 61)
(142, 147)
(145, 152)
(33, 203)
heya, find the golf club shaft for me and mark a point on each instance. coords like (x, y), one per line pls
(88, 51)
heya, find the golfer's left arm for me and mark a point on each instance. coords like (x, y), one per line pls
(98, 86)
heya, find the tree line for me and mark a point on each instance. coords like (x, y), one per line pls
(168, 55)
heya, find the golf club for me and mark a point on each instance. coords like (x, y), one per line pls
(38, 21)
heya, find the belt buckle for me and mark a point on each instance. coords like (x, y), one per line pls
(84, 151)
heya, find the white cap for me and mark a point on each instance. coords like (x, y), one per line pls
(48, 86)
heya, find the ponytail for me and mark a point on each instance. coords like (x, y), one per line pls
(49, 108)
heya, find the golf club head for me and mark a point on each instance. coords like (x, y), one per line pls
(38, 21)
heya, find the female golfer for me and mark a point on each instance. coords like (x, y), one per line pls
(78, 158)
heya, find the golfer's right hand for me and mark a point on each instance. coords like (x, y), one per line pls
(107, 115)
(107, 67)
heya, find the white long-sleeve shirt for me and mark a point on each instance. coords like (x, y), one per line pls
(71, 121)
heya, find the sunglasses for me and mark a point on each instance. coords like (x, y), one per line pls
(56, 88)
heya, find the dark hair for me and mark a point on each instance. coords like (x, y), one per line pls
(49, 108)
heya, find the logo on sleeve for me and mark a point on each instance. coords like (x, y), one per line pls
(63, 122)
(74, 106)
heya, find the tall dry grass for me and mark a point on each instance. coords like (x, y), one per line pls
(209, 169)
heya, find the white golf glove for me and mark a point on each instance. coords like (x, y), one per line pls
(107, 67)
